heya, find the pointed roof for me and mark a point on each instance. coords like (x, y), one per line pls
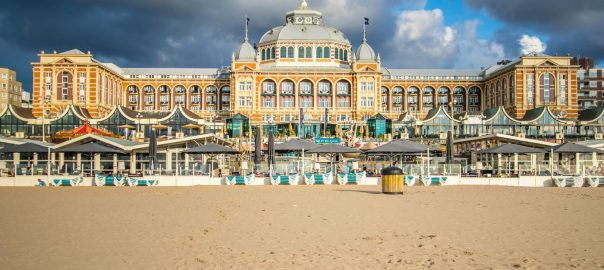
(509, 148)
(295, 145)
(72, 51)
(211, 149)
(333, 149)
(572, 148)
(91, 147)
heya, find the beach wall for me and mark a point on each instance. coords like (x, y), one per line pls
(185, 181)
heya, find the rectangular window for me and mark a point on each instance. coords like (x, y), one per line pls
(287, 102)
(64, 86)
(427, 100)
(148, 99)
(306, 102)
(546, 87)
(180, 99)
(3, 86)
(342, 88)
(593, 73)
(324, 102)
(412, 99)
(593, 84)
(343, 102)
(133, 99)
(269, 102)
(196, 99)
(473, 100)
(458, 99)
(245, 86)
(562, 89)
(164, 99)
(530, 86)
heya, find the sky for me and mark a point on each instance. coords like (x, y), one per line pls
(462, 34)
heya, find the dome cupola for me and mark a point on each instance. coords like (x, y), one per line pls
(246, 52)
(365, 52)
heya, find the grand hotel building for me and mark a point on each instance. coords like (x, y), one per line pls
(303, 64)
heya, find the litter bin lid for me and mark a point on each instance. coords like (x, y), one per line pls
(392, 171)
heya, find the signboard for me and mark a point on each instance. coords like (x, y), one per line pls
(328, 140)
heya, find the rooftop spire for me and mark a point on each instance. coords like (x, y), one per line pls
(365, 30)
(303, 4)
(247, 22)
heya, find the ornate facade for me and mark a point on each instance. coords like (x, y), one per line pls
(303, 66)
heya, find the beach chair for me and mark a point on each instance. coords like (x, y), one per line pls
(568, 181)
(409, 180)
(433, 180)
(101, 180)
(133, 182)
(351, 178)
(239, 180)
(65, 182)
(318, 179)
(284, 180)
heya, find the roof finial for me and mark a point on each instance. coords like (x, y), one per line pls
(303, 4)
(247, 22)
(365, 30)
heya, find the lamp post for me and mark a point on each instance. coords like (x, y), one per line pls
(139, 116)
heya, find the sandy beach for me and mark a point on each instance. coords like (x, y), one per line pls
(301, 227)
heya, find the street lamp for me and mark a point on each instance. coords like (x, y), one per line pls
(139, 116)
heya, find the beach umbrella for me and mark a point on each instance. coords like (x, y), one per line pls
(295, 145)
(257, 147)
(333, 149)
(509, 148)
(399, 147)
(271, 150)
(126, 126)
(211, 149)
(449, 147)
(368, 146)
(152, 149)
(572, 148)
(159, 126)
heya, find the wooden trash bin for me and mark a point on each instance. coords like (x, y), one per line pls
(392, 180)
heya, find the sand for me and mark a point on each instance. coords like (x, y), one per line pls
(301, 227)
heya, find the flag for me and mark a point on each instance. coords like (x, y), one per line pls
(366, 21)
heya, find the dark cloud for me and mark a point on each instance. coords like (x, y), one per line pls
(153, 33)
(571, 27)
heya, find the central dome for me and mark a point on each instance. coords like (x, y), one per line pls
(304, 24)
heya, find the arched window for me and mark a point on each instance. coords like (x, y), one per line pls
(290, 52)
(459, 98)
(273, 53)
(341, 54)
(306, 94)
(283, 53)
(195, 89)
(337, 52)
(287, 94)
(343, 94)
(346, 55)
(562, 89)
(263, 55)
(504, 91)
(412, 99)
(443, 96)
(287, 88)
(326, 53)
(319, 53)
(308, 52)
(512, 90)
(148, 89)
(397, 99)
(428, 98)
(268, 87)
(301, 52)
(132, 89)
(324, 93)
(384, 98)
(474, 99)
(179, 89)
(211, 89)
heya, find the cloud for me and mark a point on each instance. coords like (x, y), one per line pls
(422, 40)
(531, 44)
(572, 27)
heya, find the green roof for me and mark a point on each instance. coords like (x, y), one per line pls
(534, 114)
(591, 114)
